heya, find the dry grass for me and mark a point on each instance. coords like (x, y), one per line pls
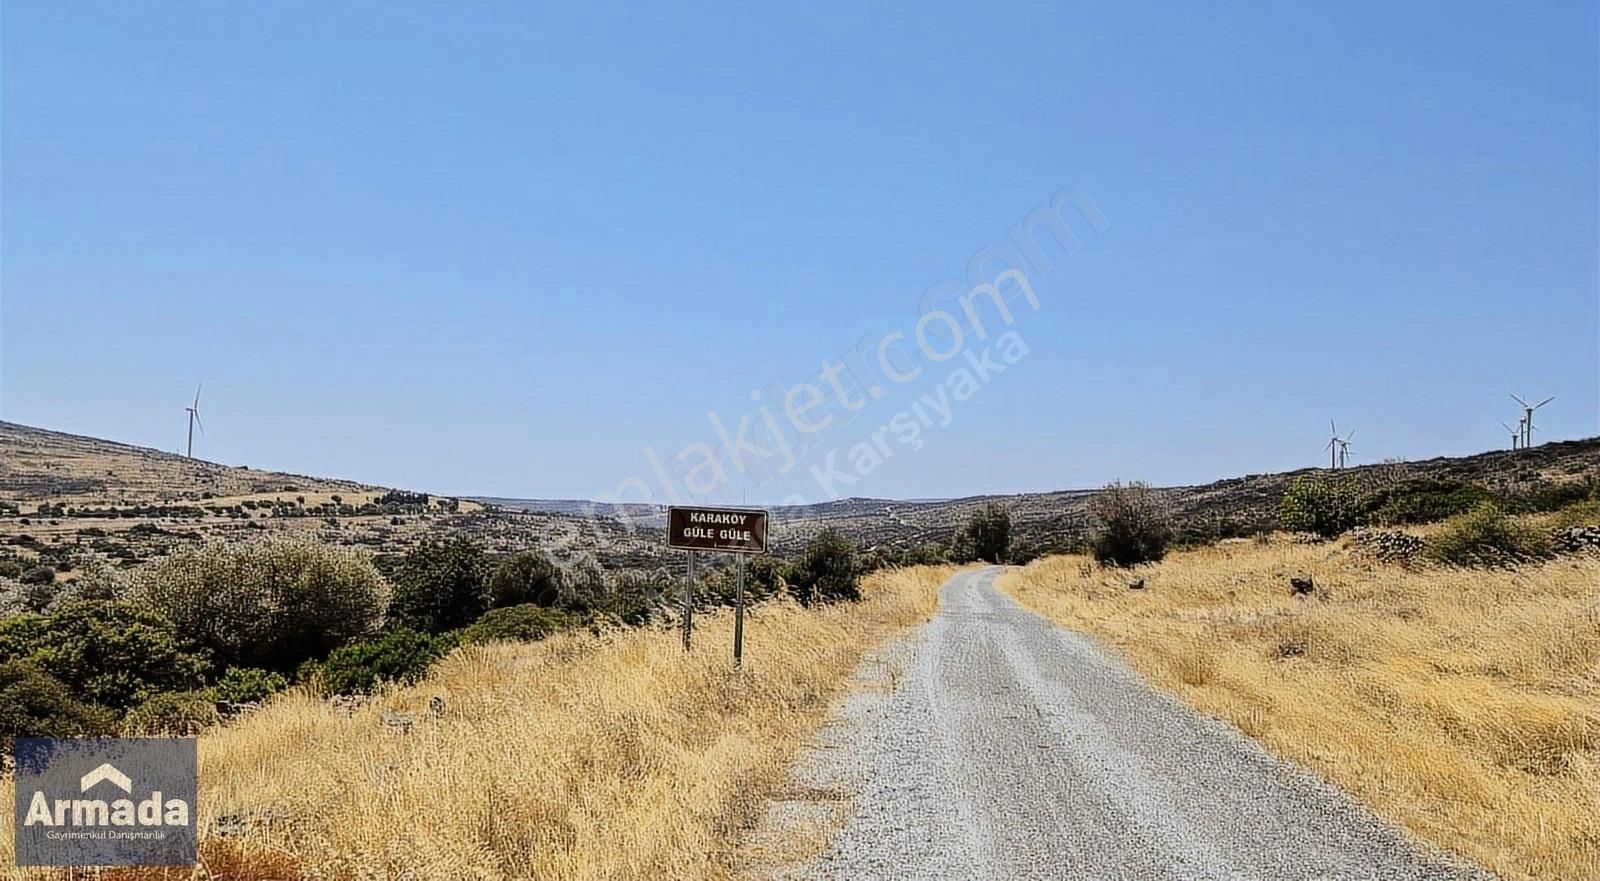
(580, 757)
(1460, 704)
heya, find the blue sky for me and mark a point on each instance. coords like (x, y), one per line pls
(503, 249)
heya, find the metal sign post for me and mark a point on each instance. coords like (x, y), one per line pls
(737, 531)
(688, 604)
(738, 617)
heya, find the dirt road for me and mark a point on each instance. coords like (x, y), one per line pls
(998, 745)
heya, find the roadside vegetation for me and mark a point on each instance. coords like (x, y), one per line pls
(580, 756)
(1456, 690)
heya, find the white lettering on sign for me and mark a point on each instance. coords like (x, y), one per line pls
(713, 517)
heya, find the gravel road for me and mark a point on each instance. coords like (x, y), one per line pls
(995, 744)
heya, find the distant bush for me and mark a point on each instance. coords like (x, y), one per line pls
(1486, 536)
(1326, 505)
(527, 577)
(524, 623)
(399, 656)
(35, 704)
(987, 536)
(1584, 513)
(270, 603)
(244, 685)
(631, 596)
(172, 714)
(39, 575)
(765, 576)
(1130, 524)
(442, 584)
(826, 572)
(1422, 500)
(1546, 497)
(109, 653)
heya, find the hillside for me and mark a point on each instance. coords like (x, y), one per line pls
(61, 494)
(1239, 505)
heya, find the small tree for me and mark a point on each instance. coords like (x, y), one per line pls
(1325, 505)
(270, 603)
(1131, 524)
(827, 570)
(528, 577)
(441, 585)
(987, 535)
(109, 653)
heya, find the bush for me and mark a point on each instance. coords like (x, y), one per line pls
(632, 597)
(109, 653)
(441, 585)
(35, 704)
(173, 714)
(987, 535)
(524, 623)
(1325, 505)
(270, 603)
(1485, 536)
(399, 656)
(248, 685)
(39, 575)
(528, 577)
(1422, 500)
(827, 571)
(1131, 524)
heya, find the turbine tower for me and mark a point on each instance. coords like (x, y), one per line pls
(1516, 434)
(1338, 447)
(1527, 418)
(194, 419)
(1344, 448)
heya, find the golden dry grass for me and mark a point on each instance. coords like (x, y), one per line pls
(1461, 704)
(579, 757)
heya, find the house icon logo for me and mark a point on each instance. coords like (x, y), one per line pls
(107, 773)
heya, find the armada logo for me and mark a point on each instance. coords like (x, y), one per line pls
(105, 802)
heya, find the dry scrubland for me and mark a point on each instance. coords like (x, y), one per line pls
(581, 757)
(1462, 704)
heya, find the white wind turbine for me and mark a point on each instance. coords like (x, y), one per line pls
(194, 419)
(1527, 418)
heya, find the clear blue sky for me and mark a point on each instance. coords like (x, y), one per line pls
(503, 248)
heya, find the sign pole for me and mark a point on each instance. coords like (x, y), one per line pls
(688, 604)
(738, 618)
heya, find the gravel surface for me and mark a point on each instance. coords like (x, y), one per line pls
(992, 744)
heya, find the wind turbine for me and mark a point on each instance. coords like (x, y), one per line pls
(1344, 447)
(1527, 418)
(194, 419)
(1516, 434)
(1336, 446)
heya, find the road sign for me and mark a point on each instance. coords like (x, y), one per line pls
(724, 530)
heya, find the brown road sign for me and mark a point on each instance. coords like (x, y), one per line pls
(726, 530)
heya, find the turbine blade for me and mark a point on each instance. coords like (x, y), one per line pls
(1543, 402)
(197, 393)
(199, 423)
(1350, 435)
(1507, 427)
(1519, 400)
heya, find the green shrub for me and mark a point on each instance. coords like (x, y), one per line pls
(35, 704)
(399, 656)
(1422, 500)
(1130, 524)
(987, 536)
(1486, 536)
(827, 571)
(632, 597)
(270, 603)
(39, 575)
(172, 714)
(1584, 513)
(248, 685)
(528, 577)
(109, 653)
(1326, 505)
(442, 584)
(524, 623)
